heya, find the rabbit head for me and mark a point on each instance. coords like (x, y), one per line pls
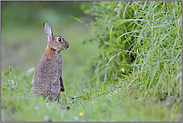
(54, 41)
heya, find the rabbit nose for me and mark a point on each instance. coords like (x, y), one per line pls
(67, 45)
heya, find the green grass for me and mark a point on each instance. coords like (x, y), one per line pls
(147, 89)
(100, 103)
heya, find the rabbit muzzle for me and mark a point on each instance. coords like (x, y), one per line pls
(66, 45)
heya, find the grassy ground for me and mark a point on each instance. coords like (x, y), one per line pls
(100, 103)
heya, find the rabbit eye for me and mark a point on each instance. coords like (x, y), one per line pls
(59, 39)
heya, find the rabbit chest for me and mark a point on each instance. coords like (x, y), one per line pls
(55, 64)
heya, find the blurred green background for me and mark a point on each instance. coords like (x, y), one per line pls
(24, 40)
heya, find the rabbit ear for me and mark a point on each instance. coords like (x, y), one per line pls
(48, 31)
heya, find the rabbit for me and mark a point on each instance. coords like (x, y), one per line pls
(47, 79)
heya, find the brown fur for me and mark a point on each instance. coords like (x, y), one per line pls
(49, 52)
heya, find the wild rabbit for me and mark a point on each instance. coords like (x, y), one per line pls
(47, 79)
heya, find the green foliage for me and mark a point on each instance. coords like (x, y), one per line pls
(139, 39)
(140, 43)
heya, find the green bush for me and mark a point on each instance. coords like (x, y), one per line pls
(140, 44)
